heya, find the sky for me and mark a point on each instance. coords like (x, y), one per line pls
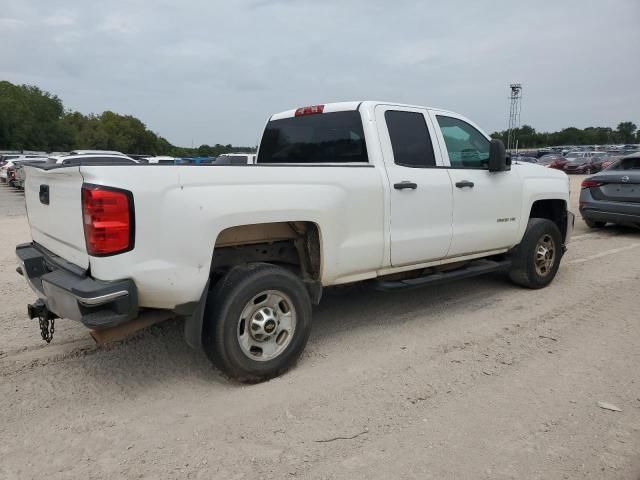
(206, 72)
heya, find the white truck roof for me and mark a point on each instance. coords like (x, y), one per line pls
(346, 106)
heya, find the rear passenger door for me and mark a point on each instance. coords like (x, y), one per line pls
(420, 189)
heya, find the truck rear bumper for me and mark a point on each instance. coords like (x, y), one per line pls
(71, 294)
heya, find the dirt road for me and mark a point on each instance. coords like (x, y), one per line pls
(475, 379)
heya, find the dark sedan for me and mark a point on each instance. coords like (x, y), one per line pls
(552, 160)
(613, 195)
(581, 165)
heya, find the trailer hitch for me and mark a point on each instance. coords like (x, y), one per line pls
(46, 319)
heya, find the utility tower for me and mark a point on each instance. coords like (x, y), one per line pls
(514, 114)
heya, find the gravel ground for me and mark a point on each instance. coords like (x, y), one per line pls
(475, 379)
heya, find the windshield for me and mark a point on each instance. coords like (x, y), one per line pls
(335, 137)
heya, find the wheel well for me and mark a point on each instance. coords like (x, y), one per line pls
(554, 210)
(293, 245)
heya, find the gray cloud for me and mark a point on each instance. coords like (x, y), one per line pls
(212, 72)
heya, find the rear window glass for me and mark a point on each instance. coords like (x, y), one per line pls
(321, 138)
(626, 164)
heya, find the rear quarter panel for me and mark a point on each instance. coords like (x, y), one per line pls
(181, 210)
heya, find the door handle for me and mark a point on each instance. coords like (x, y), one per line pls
(464, 183)
(44, 194)
(405, 184)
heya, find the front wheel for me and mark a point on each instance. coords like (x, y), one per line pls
(537, 258)
(257, 322)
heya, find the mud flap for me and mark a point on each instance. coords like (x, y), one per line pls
(193, 322)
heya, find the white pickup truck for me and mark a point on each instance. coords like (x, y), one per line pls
(399, 196)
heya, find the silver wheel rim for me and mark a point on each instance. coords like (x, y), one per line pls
(266, 325)
(545, 255)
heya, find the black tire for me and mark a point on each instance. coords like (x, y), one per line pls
(525, 271)
(226, 303)
(593, 224)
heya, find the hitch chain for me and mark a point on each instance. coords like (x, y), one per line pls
(47, 327)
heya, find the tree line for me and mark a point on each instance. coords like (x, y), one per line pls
(527, 137)
(33, 119)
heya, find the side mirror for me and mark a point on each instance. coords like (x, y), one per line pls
(499, 160)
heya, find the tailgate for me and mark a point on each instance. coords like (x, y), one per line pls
(54, 209)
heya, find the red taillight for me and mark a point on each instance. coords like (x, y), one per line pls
(108, 220)
(311, 110)
(590, 183)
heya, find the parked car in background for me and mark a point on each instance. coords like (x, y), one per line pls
(142, 158)
(543, 151)
(552, 160)
(195, 160)
(92, 159)
(577, 154)
(94, 152)
(8, 156)
(8, 165)
(161, 159)
(236, 159)
(613, 195)
(579, 162)
(631, 148)
(610, 160)
(19, 173)
(523, 158)
(598, 160)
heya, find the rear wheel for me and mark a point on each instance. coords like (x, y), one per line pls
(593, 223)
(257, 322)
(537, 258)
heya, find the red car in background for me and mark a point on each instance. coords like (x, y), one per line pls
(552, 160)
(598, 160)
(581, 162)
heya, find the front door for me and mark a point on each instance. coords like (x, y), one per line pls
(487, 205)
(420, 188)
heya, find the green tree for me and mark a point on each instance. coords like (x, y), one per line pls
(625, 133)
(32, 119)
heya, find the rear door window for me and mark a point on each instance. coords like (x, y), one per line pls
(335, 137)
(410, 139)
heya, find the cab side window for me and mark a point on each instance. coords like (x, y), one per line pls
(410, 139)
(466, 146)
